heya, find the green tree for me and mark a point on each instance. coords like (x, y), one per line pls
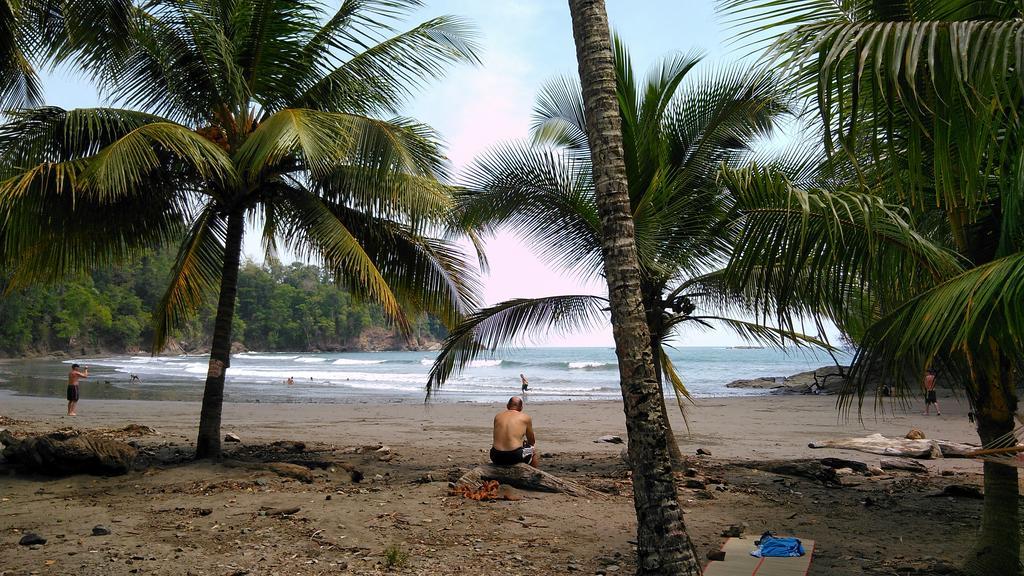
(663, 546)
(915, 243)
(261, 112)
(677, 132)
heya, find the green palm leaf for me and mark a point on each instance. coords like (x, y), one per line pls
(381, 77)
(670, 373)
(543, 196)
(195, 275)
(426, 275)
(19, 84)
(787, 232)
(314, 230)
(125, 165)
(325, 141)
(949, 323)
(504, 324)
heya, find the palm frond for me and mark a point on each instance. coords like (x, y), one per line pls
(195, 275)
(812, 247)
(559, 118)
(508, 323)
(19, 83)
(540, 195)
(678, 387)
(125, 165)
(51, 134)
(312, 229)
(379, 76)
(425, 274)
(325, 141)
(954, 320)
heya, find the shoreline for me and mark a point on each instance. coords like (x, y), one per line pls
(737, 428)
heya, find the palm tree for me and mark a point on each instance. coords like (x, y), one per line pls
(249, 112)
(677, 132)
(663, 546)
(922, 101)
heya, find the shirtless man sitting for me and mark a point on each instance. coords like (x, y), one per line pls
(510, 427)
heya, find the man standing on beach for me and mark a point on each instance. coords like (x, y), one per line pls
(526, 383)
(929, 393)
(511, 426)
(73, 377)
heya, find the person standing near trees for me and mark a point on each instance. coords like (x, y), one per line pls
(73, 377)
(929, 393)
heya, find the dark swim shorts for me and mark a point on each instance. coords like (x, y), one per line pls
(522, 455)
(72, 393)
(929, 398)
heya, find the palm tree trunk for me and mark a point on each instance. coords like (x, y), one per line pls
(997, 549)
(655, 327)
(663, 546)
(208, 442)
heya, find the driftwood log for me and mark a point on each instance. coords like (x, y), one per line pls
(68, 452)
(902, 464)
(526, 477)
(878, 444)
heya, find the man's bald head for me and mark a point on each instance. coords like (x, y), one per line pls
(515, 403)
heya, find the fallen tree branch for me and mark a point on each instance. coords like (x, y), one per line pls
(878, 444)
(526, 477)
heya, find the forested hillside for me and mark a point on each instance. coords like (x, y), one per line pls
(280, 307)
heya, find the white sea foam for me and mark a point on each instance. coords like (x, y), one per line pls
(310, 360)
(245, 356)
(352, 362)
(578, 365)
(472, 363)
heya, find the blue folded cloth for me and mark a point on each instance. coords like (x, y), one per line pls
(773, 546)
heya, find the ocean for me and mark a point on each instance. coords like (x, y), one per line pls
(555, 374)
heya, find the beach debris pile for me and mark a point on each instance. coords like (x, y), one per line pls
(488, 490)
(69, 451)
(6, 421)
(129, 431)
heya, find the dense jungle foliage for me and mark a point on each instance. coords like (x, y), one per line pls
(293, 307)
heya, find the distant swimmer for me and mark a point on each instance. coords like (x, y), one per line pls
(526, 383)
(134, 378)
(513, 441)
(73, 377)
(291, 381)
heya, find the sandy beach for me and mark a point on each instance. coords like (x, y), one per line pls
(180, 517)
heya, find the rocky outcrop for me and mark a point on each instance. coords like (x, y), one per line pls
(829, 378)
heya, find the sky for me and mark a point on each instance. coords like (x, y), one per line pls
(524, 44)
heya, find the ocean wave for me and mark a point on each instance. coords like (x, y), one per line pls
(352, 362)
(590, 365)
(472, 363)
(247, 356)
(310, 360)
(320, 377)
(381, 386)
